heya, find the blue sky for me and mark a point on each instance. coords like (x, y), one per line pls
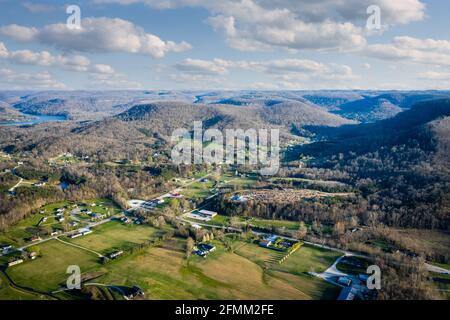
(228, 44)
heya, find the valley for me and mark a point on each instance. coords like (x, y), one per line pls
(100, 191)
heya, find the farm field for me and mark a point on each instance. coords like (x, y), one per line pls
(48, 272)
(306, 259)
(247, 272)
(222, 275)
(198, 190)
(7, 292)
(115, 236)
(264, 223)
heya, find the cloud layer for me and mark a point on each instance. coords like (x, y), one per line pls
(294, 24)
(409, 49)
(46, 59)
(97, 35)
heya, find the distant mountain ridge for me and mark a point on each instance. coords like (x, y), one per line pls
(380, 107)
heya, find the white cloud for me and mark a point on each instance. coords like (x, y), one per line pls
(286, 73)
(294, 24)
(42, 80)
(205, 67)
(19, 33)
(38, 7)
(97, 35)
(46, 59)
(434, 75)
(408, 49)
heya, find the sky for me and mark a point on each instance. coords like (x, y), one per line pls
(225, 45)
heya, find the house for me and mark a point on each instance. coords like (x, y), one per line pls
(238, 198)
(345, 281)
(208, 214)
(97, 216)
(135, 292)
(75, 235)
(125, 220)
(35, 238)
(267, 241)
(15, 262)
(85, 231)
(348, 294)
(175, 195)
(5, 248)
(39, 184)
(116, 254)
(203, 249)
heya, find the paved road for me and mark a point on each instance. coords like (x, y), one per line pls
(13, 171)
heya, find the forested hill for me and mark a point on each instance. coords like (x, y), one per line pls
(171, 115)
(401, 164)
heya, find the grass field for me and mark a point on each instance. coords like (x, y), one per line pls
(263, 223)
(16, 234)
(248, 272)
(48, 272)
(222, 275)
(353, 265)
(198, 190)
(7, 292)
(113, 236)
(442, 282)
(295, 268)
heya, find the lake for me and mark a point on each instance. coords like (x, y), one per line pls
(36, 119)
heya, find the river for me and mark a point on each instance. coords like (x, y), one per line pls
(36, 119)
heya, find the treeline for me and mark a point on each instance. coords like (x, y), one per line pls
(327, 211)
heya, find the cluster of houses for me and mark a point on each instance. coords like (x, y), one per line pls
(203, 249)
(59, 215)
(19, 260)
(150, 205)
